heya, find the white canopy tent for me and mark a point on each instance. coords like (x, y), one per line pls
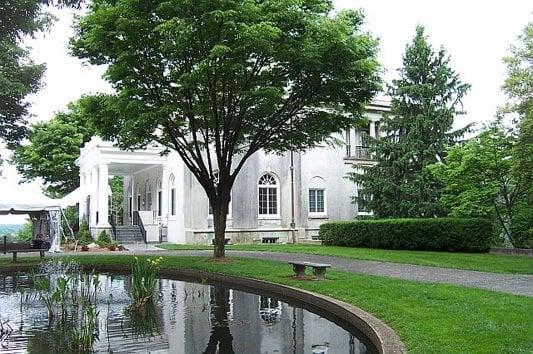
(45, 214)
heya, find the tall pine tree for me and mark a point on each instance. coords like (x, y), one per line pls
(424, 101)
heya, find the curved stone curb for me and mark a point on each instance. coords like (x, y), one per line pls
(380, 335)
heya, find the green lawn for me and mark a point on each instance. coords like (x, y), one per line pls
(472, 261)
(429, 318)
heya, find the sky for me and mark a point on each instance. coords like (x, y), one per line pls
(477, 35)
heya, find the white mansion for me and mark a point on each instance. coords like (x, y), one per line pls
(164, 200)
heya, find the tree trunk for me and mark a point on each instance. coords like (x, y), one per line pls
(219, 222)
(220, 215)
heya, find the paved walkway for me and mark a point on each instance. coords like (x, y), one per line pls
(517, 284)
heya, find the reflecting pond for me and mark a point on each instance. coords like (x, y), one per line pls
(185, 317)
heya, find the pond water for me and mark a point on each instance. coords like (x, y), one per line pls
(186, 317)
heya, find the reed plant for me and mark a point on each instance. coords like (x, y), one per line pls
(144, 276)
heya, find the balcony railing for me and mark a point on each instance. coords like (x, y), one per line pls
(362, 152)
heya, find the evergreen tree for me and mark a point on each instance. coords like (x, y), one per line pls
(424, 101)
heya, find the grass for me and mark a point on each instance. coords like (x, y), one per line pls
(471, 261)
(428, 317)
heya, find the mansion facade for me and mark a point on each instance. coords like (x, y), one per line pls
(164, 200)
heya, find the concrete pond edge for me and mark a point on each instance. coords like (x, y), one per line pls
(381, 336)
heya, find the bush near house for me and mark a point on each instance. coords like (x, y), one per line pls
(103, 239)
(440, 234)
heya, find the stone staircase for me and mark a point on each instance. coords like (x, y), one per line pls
(128, 234)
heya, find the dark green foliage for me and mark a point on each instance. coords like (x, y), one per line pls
(117, 199)
(84, 235)
(103, 239)
(213, 80)
(425, 101)
(480, 179)
(435, 234)
(53, 147)
(25, 234)
(522, 228)
(19, 76)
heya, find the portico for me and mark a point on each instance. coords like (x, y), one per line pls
(98, 161)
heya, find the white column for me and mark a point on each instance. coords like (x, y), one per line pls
(103, 195)
(81, 205)
(164, 194)
(94, 196)
(133, 198)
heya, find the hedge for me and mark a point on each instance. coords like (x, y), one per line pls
(441, 234)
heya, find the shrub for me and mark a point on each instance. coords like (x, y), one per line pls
(522, 229)
(103, 239)
(84, 235)
(441, 234)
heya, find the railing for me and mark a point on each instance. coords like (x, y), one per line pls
(363, 152)
(138, 221)
(113, 226)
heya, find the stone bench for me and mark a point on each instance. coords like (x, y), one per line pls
(319, 269)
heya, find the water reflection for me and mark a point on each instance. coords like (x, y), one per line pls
(221, 340)
(183, 318)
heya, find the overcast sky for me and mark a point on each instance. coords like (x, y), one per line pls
(477, 34)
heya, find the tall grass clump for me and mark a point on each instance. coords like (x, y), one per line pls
(144, 276)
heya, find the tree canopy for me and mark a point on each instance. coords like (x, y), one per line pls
(52, 148)
(492, 173)
(424, 102)
(218, 80)
(19, 76)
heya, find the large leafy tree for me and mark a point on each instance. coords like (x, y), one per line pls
(19, 75)
(519, 88)
(52, 148)
(424, 102)
(219, 80)
(479, 178)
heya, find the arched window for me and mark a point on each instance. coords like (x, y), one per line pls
(172, 192)
(268, 195)
(148, 195)
(317, 196)
(159, 197)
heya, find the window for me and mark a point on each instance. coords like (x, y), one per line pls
(148, 195)
(348, 142)
(159, 198)
(172, 189)
(317, 196)
(173, 201)
(316, 201)
(364, 198)
(268, 195)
